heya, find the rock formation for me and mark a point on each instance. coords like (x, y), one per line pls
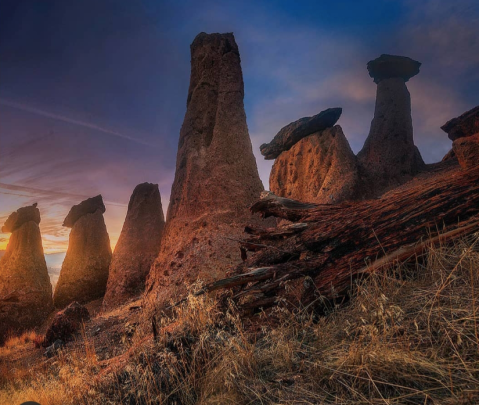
(65, 323)
(297, 130)
(319, 168)
(465, 125)
(84, 272)
(25, 289)
(466, 150)
(216, 177)
(389, 156)
(137, 247)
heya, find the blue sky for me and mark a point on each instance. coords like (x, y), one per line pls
(93, 92)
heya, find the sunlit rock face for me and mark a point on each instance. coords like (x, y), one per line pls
(465, 125)
(319, 168)
(84, 272)
(216, 177)
(389, 156)
(137, 247)
(25, 289)
(467, 151)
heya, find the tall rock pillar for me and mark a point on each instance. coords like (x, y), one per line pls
(216, 177)
(25, 289)
(389, 156)
(84, 272)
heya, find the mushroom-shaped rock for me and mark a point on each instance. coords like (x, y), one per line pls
(84, 272)
(389, 66)
(88, 206)
(25, 289)
(297, 130)
(466, 124)
(389, 156)
(467, 151)
(137, 247)
(319, 168)
(216, 177)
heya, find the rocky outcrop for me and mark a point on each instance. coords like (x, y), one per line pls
(467, 151)
(84, 272)
(137, 247)
(25, 289)
(297, 130)
(465, 125)
(389, 156)
(216, 177)
(65, 323)
(319, 168)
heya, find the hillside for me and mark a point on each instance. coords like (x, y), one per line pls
(408, 335)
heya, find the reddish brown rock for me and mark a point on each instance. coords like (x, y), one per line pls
(23, 215)
(89, 206)
(320, 168)
(465, 125)
(65, 323)
(467, 151)
(451, 155)
(389, 156)
(84, 272)
(137, 247)
(216, 177)
(297, 130)
(25, 289)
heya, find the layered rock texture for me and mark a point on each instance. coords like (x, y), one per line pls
(137, 247)
(84, 272)
(465, 125)
(319, 168)
(467, 151)
(65, 323)
(389, 156)
(297, 130)
(25, 289)
(216, 177)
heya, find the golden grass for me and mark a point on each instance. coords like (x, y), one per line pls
(407, 336)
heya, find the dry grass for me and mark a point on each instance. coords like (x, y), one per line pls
(408, 336)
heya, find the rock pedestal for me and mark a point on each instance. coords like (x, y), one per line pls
(84, 272)
(137, 247)
(319, 168)
(389, 156)
(25, 289)
(216, 177)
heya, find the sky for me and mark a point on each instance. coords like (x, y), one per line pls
(93, 92)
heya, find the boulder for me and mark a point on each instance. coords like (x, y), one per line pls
(216, 177)
(465, 125)
(389, 66)
(467, 151)
(21, 216)
(25, 289)
(66, 323)
(137, 247)
(297, 130)
(319, 168)
(84, 272)
(389, 156)
(89, 206)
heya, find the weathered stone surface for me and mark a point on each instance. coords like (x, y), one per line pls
(65, 323)
(297, 130)
(216, 177)
(451, 155)
(467, 151)
(320, 168)
(88, 206)
(25, 289)
(466, 124)
(389, 66)
(21, 216)
(389, 156)
(84, 272)
(137, 247)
